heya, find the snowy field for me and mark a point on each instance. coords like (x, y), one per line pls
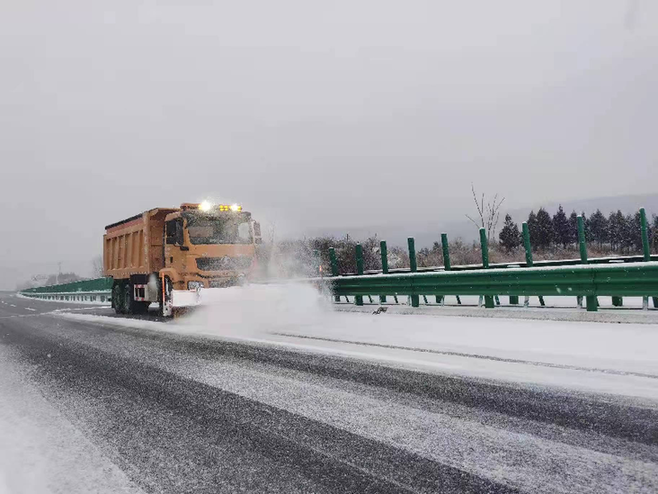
(592, 356)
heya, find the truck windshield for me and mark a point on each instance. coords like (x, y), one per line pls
(231, 229)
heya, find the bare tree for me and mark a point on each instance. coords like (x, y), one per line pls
(488, 213)
(97, 266)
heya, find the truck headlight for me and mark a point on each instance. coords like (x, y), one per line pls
(194, 285)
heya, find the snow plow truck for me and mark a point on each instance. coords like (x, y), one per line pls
(167, 255)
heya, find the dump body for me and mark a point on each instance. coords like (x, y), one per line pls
(135, 245)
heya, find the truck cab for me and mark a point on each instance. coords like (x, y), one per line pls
(208, 248)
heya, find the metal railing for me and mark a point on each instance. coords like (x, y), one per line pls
(584, 278)
(93, 285)
(95, 290)
(74, 297)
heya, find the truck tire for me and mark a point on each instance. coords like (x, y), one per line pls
(129, 304)
(118, 298)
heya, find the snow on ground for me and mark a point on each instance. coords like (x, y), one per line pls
(609, 358)
(42, 452)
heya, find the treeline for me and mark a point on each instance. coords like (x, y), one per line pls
(618, 233)
(552, 237)
(298, 258)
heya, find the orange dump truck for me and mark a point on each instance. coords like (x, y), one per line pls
(167, 255)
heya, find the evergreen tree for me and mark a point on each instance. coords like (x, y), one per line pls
(628, 233)
(545, 232)
(635, 230)
(588, 229)
(598, 228)
(573, 227)
(561, 227)
(510, 236)
(533, 230)
(616, 230)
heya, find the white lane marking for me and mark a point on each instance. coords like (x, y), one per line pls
(12, 305)
(30, 308)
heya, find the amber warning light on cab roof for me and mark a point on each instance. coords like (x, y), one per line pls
(206, 206)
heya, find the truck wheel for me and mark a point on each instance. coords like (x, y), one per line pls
(129, 304)
(117, 298)
(166, 305)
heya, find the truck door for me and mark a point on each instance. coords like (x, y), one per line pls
(174, 241)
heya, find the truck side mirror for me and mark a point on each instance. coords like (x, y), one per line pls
(257, 237)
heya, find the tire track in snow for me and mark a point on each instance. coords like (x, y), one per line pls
(472, 355)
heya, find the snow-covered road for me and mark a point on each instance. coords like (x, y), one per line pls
(586, 356)
(265, 392)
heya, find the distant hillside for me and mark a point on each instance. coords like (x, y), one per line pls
(427, 233)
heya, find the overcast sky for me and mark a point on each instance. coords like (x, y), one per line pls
(313, 114)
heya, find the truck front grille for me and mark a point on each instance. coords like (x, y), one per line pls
(223, 282)
(225, 263)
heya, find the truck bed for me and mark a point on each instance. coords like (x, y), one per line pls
(135, 245)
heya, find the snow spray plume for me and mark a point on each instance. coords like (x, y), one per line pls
(257, 308)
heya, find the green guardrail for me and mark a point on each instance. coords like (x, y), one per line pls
(95, 285)
(584, 278)
(634, 280)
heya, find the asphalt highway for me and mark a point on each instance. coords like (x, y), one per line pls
(137, 410)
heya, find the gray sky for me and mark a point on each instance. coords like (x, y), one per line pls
(313, 114)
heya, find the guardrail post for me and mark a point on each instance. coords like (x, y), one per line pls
(582, 244)
(333, 261)
(485, 248)
(591, 301)
(526, 244)
(334, 267)
(384, 253)
(528, 258)
(413, 267)
(646, 250)
(358, 299)
(446, 251)
(446, 261)
(488, 299)
(583, 251)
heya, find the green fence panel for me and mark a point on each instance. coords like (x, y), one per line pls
(95, 285)
(586, 280)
